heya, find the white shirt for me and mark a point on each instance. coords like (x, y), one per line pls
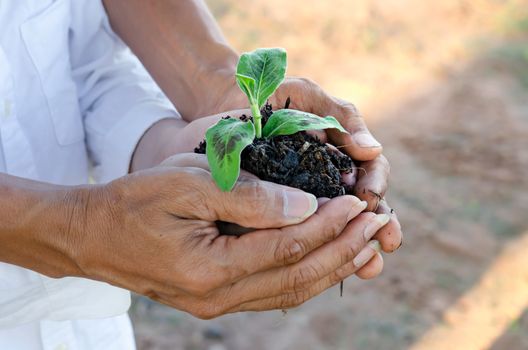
(71, 96)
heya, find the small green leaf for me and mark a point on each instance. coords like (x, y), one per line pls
(225, 142)
(259, 73)
(290, 121)
(247, 85)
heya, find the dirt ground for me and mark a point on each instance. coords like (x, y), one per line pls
(444, 87)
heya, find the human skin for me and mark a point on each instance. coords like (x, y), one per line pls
(163, 215)
(181, 139)
(154, 232)
(183, 48)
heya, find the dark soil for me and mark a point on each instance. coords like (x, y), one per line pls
(299, 160)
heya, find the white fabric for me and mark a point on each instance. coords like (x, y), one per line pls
(71, 94)
(113, 333)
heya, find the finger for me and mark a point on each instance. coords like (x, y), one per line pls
(322, 200)
(183, 160)
(196, 160)
(265, 249)
(348, 178)
(372, 268)
(195, 131)
(232, 298)
(251, 203)
(372, 181)
(296, 298)
(262, 204)
(359, 143)
(210, 307)
(348, 247)
(390, 236)
(227, 228)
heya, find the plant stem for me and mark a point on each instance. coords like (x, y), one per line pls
(257, 120)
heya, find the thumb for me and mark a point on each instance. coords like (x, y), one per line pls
(261, 204)
(359, 143)
(253, 203)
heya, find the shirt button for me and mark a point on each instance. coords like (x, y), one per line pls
(61, 347)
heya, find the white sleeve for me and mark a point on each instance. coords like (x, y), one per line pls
(118, 99)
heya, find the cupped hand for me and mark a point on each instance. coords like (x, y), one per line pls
(373, 167)
(154, 232)
(372, 175)
(383, 237)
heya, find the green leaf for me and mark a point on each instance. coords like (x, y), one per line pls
(260, 72)
(290, 121)
(247, 85)
(225, 142)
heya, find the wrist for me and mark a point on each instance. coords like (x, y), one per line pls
(224, 94)
(43, 225)
(93, 217)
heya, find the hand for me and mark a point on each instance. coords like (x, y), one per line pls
(170, 137)
(373, 167)
(153, 232)
(370, 270)
(210, 86)
(173, 136)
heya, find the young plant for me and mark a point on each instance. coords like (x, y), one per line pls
(259, 74)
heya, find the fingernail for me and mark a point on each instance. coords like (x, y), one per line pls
(298, 204)
(374, 225)
(366, 140)
(356, 209)
(367, 253)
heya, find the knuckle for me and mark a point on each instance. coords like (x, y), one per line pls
(303, 278)
(294, 299)
(366, 217)
(256, 197)
(348, 108)
(308, 82)
(333, 228)
(312, 90)
(289, 250)
(256, 189)
(195, 191)
(339, 275)
(198, 286)
(352, 250)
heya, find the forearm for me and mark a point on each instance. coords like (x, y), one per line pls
(39, 225)
(182, 47)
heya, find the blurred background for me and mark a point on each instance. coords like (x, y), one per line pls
(444, 86)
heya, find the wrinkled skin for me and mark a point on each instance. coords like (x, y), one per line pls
(169, 213)
(372, 182)
(209, 87)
